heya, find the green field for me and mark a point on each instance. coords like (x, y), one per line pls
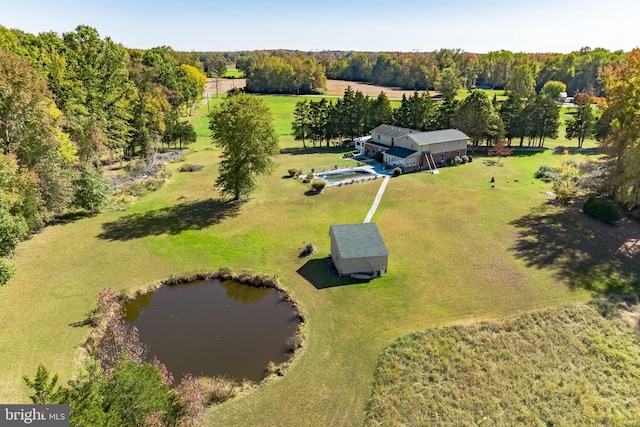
(233, 73)
(453, 257)
(575, 365)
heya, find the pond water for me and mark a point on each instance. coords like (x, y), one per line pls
(213, 328)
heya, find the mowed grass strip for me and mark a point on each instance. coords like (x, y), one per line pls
(567, 366)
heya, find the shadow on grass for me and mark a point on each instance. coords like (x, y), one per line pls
(322, 274)
(586, 253)
(490, 162)
(70, 217)
(576, 150)
(315, 150)
(171, 220)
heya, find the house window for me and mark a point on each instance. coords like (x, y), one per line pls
(458, 153)
(444, 145)
(442, 156)
(378, 136)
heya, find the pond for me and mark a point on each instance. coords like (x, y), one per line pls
(214, 328)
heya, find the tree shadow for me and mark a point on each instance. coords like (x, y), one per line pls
(492, 163)
(525, 153)
(576, 150)
(172, 220)
(322, 274)
(315, 150)
(584, 252)
(70, 217)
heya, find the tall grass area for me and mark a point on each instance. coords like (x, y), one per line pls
(568, 366)
(452, 258)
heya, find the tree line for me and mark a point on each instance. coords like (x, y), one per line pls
(71, 102)
(428, 70)
(484, 120)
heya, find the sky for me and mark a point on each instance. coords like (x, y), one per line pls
(362, 25)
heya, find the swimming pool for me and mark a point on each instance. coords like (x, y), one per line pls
(346, 175)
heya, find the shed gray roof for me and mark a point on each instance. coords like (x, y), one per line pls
(392, 131)
(403, 153)
(433, 137)
(358, 240)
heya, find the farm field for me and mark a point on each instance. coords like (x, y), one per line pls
(454, 257)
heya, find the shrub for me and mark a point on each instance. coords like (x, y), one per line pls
(546, 173)
(307, 249)
(293, 172)
(397, 172)
(307, 179)
(318, 185)
(7, 270)
(190, 168)
(470, 157)
(457, 160)
(140, 188)
(465, 159)
(91, 193)
(602, 208)
(451, 162)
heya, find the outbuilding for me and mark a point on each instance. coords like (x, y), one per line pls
(358, 250)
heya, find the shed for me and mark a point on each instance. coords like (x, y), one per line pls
(358, 249)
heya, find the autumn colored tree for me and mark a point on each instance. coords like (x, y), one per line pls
(501, 150)
(621, 82)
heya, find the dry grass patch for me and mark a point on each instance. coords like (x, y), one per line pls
(572, 365)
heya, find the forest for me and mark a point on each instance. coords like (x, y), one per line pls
(70, 103)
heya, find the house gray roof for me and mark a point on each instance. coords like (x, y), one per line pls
(433, 137)
(358, 240)
(403, 153)
(392, 131)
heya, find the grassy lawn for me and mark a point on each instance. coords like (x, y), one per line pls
(567, 366)
(452, 258)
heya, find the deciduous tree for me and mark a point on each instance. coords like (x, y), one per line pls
(522, 81)
(581, 125)
(243, 128)
(621, 84)
(553, 88)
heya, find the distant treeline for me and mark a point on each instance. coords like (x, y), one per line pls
(420, 71)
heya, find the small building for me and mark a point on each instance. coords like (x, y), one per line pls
(357, 250)
(415, 150)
